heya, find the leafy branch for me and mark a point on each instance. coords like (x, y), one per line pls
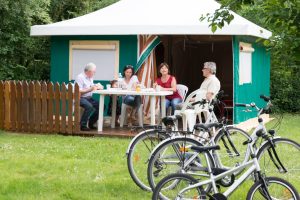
(218, 18)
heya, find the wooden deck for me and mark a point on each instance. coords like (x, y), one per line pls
(124, 132)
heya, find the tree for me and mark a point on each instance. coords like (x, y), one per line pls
(282, 17)
(21, 55)
(25, 57)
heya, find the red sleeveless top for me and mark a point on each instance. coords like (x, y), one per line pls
(168, 85)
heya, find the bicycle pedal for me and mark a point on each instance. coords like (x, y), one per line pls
(218, 196)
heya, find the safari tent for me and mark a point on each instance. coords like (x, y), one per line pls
(144, 33)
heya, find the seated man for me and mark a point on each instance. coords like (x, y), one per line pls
(211, 84)
(91, 107)
(208, 90)
(209, 87)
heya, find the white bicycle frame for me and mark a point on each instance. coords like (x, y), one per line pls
(253, 164)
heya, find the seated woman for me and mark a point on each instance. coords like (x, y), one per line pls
(130, 82)
(168, 83)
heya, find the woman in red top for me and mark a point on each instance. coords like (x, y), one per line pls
(168, 83)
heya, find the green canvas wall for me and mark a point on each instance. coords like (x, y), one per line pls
(60, 53)
(248, 93)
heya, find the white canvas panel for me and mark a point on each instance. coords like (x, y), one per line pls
(245, 67)
(104, 60)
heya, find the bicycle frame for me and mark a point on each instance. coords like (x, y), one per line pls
(253, 137)
(253, 164)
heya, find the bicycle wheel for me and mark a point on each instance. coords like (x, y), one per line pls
(288, 152)
(232, 152)
(170, 188)
(174, 155)
(139, 153)
(277, 188)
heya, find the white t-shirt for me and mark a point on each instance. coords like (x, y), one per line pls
(129, 85)
(210, 84)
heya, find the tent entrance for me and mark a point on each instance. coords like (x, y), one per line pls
(186, 55)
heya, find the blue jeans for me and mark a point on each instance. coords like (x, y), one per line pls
(91, 110)
(173, 104)
(134, 101)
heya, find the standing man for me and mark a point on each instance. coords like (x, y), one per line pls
(86, 87)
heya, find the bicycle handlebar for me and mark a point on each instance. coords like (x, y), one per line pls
(265, 98)
(266, 109)
(242, 105)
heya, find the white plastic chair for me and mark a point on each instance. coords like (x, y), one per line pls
(189, 115)
(182, 90)
(123, 117)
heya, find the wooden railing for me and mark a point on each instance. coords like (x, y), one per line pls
(39, 107)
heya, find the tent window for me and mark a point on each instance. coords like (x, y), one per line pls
(245, 63)
(105, 54)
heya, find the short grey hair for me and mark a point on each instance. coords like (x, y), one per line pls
(212, 66)
(89, 67)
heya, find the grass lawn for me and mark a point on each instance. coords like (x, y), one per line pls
(64, 167)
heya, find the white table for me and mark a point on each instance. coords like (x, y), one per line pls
(119, 92)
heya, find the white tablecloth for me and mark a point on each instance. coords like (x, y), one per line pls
(118, 92)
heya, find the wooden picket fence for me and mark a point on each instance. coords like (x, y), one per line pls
(39, 107)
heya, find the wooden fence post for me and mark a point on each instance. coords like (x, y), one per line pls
(13, 107)
(7, 105)
(77, 109)
(57, 102)
(63, 107)
(2, 111)
(50, 107)
(19, 106)
(38, 106)
(25, 106)
(70, 109)
(32, 107)
(44, 107)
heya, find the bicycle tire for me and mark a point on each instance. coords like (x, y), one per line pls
(277, 189)
(165, 160)
(226, 157)
(177, 183)
(288, 152)
(138, 156)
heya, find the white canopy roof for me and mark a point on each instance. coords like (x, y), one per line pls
(157, 17)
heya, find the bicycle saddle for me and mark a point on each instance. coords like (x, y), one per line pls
(206, 127)
(170, 120)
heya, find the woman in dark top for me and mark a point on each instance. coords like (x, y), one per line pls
(168, 83)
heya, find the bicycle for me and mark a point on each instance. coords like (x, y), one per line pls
(173, 154)
(233, 152)
(184, 186)
(142, 144)
(274, 152)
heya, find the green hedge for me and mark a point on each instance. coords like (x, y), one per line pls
(285, 88)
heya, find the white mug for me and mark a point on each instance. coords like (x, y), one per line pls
(157, 88)
(108, 86)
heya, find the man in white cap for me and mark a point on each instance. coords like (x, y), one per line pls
(86, 88)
